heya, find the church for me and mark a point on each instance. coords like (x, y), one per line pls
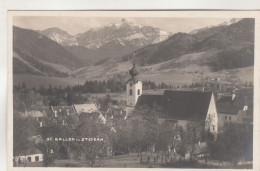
(180, 107)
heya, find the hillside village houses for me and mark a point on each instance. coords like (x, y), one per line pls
(180, 108)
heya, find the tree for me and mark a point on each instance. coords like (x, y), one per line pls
(23, 128)
(194, 133)
(230, 144)
(93, 152)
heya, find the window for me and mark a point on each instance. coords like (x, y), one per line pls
(229, 117)
(36, 158)
(138, 91)
(29, 159)
(130, 92)
(225, 117)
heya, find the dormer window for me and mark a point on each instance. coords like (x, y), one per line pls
(245, 108)
(55, 113)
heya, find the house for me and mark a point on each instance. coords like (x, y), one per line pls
(231, 106)
(29, 155)
(88, 110)
(64, 115)
(115, 112)
(35, 114)
(183, 107)
(85, 108)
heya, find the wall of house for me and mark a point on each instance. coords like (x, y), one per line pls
(132, 99)
(129, 110)
(225, 118)
(212, 116)
(25, 158)
(183, 123)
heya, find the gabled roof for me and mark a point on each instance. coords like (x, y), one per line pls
(186, 105)
(34, 114)
(29, 151)
(180, 105)
(244, 117)
(116, 112)
(85, 108)
(149, 100)
(228, 106)
(63, 110)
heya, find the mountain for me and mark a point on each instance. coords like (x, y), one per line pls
(37, 54)
(234, 42)
(180, 59)
(111, 41)
(60, 36)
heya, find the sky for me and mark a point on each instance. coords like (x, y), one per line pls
(76, 25)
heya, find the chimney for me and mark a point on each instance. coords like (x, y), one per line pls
(245, 100)
(233, 96)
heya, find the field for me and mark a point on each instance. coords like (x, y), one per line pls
(170, 76)
(146, 161)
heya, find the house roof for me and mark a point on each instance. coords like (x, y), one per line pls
(186, 105)
(116, 112)
(63, 110)
(244, 117)
(85, 108)
(228, 106)
(180, 105)
(29, 151)
(34, 114)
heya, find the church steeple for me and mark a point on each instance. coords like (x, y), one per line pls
(133, 71)
(133, 86)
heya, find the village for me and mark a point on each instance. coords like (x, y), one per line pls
(207, 126)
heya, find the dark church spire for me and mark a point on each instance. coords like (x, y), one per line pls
(133, 72)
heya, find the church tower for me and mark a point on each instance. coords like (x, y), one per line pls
(133, 89)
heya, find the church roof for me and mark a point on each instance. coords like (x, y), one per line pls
(149, 100)
(180, 105)
(186, 105)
